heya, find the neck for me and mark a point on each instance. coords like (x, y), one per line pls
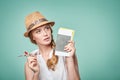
(45, 50)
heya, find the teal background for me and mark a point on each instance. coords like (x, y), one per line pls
(97, 35)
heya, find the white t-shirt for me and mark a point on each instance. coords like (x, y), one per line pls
(60, 72)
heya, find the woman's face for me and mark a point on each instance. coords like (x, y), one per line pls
(42, 35)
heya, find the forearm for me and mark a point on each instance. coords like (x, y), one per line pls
(72, 69)
(36, 76)
(29, 74)
(71, 62)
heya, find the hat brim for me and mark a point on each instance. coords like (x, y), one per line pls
(38, 25)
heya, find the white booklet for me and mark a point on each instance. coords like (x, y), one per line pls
(63, 36)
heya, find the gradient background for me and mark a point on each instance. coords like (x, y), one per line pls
(97, 36)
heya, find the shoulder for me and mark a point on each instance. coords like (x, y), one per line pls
(61, 59)
(35, 52)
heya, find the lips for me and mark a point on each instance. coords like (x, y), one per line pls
(46, 39)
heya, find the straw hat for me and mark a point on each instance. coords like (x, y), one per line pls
(35, 20)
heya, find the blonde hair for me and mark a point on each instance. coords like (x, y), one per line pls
(54, 59)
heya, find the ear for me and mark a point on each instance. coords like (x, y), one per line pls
(32, 35)
(33, 38)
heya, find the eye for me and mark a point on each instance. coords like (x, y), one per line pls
(38, 31)
(47, 27)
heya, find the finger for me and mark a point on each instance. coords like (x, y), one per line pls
(71, 43)
(32, 55)
(31, 59)
(32, 64)
(66, 48)
(69, 50)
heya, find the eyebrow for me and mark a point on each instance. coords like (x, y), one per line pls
(41, 26)
(38, 28)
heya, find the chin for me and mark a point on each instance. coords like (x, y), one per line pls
(47, 43)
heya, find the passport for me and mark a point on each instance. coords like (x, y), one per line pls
(63, 36)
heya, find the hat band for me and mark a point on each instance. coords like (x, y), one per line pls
(36, 22)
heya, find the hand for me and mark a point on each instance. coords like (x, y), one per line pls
(33, 64)
(70, 48)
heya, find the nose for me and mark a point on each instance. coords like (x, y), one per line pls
(44, 32)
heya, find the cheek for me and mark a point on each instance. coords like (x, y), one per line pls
(50, 35)
(36, 38)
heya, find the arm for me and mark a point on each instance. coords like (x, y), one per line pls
(31, 69)
(72, 68)
(71, 62)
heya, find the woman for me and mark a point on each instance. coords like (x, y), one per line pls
(43, 64)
